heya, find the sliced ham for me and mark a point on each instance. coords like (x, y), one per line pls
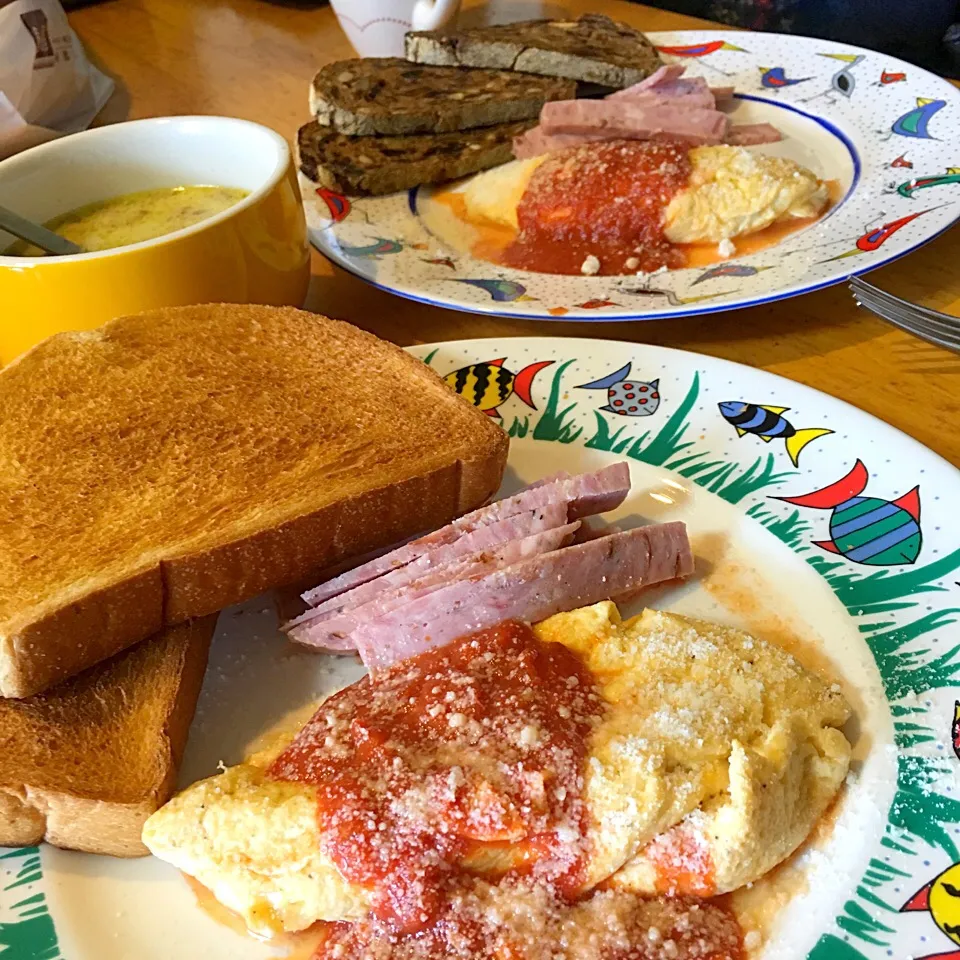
(483, 538)
(535, 142)
(634, 120)
(583, 495)
(753, 134)
(535, 588)
(666, 105)
(665, 74)
(336, 632)
(681, 93)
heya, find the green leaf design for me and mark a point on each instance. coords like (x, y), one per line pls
(555, 424)
(830, 947)
(26, 927)
(519, 427)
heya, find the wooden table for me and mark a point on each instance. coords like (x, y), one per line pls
(252, 59)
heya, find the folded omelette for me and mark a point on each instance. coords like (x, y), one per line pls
(714, 756)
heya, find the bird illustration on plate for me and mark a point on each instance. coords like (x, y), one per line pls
(910, 187)
(915, 123)
(488, 384)
(843, 82)
(775, 78)
(627, 398)
(768, 423)
(867, 530)
(503, 291)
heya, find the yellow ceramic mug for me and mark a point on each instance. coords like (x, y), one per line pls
(254, 252)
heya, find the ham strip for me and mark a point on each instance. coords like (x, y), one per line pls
(634, 120)
(336, 632)
(753, 134)
(583, 495)
(535, 142)
(664, 106)
(682, 93)
(483, 538)
(605, 568)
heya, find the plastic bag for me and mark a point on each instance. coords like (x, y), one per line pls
(46, 80)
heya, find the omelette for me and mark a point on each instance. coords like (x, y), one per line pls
(703, 757)
(699, 195)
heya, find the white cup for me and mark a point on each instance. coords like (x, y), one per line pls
(376, 28)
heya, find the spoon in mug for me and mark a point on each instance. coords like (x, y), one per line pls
(36, 234)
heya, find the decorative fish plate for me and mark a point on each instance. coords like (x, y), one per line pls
(814, 525)
(882, 129)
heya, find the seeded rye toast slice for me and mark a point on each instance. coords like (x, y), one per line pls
(593, 49)
(393, 97)
(369, 166)
(83, 765)
(166, 465)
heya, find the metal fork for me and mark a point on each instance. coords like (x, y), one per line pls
(930, 325)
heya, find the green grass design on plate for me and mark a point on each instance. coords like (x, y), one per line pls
(556, 424)
(26, 927)
(728, 479)
(519, 428)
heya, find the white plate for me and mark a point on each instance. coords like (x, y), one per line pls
(888, 632)
(864, 119)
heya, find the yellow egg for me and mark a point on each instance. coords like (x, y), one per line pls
(707, 732)
(732, 192)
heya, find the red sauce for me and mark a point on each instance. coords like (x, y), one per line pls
(518, 921)
(480, 744)
(682, 862)
(602, 200)
(478, 749)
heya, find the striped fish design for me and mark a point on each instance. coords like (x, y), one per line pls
(867, 530)
(486, 385)
(768, 423)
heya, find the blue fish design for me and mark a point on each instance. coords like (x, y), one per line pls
(627, 398)
(867, 530)
(915, 123)
(768, 423)
(380, 247)
(503, 291)
(775, 78)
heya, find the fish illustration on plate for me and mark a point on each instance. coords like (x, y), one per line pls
(867, 530)
(627, 398)
(768, 423)
(487, 385)
(902, 161)
(941, 899)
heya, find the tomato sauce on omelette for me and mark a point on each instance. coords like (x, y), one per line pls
(604, 201)
(476, 752)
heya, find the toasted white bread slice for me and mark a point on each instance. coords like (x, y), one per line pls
(169, 464)
(84, 764)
